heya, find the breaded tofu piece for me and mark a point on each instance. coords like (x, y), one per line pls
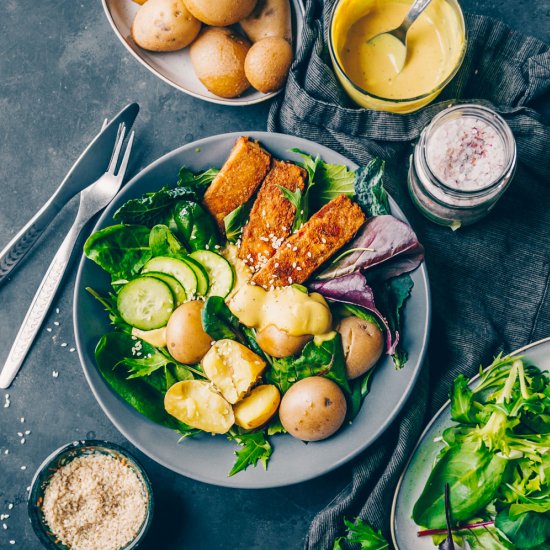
(238, 179)
(272, 215)
(320, 237)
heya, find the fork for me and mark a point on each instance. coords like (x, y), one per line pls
(93, 198)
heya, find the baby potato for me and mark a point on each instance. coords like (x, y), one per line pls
(278, 343)
(313, 408)
(164, 26)
(218, 56)
(220, 13)
(232, 368)
(155, 337)
(196, 403)
(269, 18)
(267, 64)
(187, 342)
(258, 407)
(363, 344)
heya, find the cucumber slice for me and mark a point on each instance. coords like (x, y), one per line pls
(146, 303)
(178, 269)
(203, 283)
(177, 290)
(220, 272)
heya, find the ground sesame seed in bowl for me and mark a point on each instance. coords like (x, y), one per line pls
(90, 496)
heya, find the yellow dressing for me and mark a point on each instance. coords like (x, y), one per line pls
(435, 44)
(287, 308)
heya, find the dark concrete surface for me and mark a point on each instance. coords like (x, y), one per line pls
(62, 71)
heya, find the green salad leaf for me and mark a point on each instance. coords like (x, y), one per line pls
(235, 221)
(473, 473)
(363, 534)
(369, 190)
(154, 208)
(527, 530)
(196, 225)
(325, 358)
(255, 446)
(218, 321)
(111, 351)
(390, 299)
(163, 242)
(121, 250)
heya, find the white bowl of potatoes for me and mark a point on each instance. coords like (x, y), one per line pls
(231, 52)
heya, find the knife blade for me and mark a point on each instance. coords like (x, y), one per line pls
(88, 168)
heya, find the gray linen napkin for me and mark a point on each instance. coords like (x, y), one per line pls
(489, 282)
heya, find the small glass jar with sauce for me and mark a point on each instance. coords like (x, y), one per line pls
(436, 45)
(462, 164)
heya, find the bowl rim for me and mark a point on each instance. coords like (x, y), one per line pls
(299, 14)
(41, 476)
(443, 84)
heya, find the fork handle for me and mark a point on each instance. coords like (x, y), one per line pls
(18, 247)
(39, 306)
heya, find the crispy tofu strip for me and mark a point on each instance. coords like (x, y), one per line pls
(238, 179)
(320, 237)
(272, 215)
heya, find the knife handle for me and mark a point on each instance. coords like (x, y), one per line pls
(39, 308)
(18, 247)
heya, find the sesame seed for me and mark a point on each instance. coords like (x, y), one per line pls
(55, 374)
(27, 432)
(10, 506)
(323, 240)
(57, 310)
(72, 350)
(49, 329)
(22, 441)
(12, 542)
(4, 526)
(20, 434)
(22, 419)
(64, 345)
(23, 467)
(294, 249)
(56, 323)
(6, 452)
(309, 255)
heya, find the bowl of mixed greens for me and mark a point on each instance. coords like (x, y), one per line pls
(261, 289)
(489, 449)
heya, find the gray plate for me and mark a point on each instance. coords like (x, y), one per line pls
(420, 464)
(208, 458)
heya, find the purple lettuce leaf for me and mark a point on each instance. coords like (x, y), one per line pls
(393, 249)
(353, 289)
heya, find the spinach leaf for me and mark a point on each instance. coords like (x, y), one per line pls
(163, 242)
(218, 321)
(196, 225)
(474, 475)
(359, 390)
(236, 220)
(462, 402)
(369, 190)
(325, 358)
(363, 534)
(109, 303)
(121, 250)
(391, 297)
(112, 349)
(153, 208)
(528, 530)
(255, 446)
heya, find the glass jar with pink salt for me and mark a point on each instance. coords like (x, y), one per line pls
(462, 164)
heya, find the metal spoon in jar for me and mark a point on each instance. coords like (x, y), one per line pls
(395, 41)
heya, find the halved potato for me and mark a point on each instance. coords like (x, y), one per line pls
(155, 337)
(197, 404)
(233, 368)
(258, 407)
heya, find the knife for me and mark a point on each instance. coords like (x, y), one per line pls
(88, 168)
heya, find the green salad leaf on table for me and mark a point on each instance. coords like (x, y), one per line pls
(166, 250)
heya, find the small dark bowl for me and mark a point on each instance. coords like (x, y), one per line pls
(63, 456)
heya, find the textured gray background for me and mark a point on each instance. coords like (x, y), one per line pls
(62, 71)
